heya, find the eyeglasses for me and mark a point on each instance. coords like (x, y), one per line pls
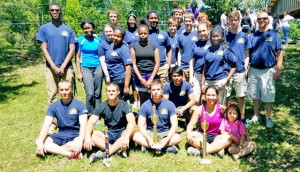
(262, 18)
(58, 10)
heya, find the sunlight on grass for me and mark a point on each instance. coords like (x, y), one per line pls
(24, 103)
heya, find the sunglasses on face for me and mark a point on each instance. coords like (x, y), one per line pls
(55, 10)
(262, 18)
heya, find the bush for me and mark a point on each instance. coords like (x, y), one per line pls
(295, 30)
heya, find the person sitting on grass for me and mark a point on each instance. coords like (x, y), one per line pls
(233, 126)
(216, 143)
(119, 120)
(71, 115)
(166, 126)
(180, 92)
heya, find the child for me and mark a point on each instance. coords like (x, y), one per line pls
(232, 125)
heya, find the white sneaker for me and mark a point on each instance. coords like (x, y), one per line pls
(269, 123)
(254, 119)
(193, 151)
(135, 105)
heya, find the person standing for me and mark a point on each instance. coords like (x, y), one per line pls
(58, 47)
(89, 66)
(238, 41)
(160, 39)
(265, 66)
(223, 20)
(286, 26)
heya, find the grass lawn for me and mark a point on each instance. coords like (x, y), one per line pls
(23, 103)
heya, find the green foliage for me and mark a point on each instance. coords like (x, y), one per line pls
(295, 30)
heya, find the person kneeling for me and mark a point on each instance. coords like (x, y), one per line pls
(119, 120)
(71, 115)
(166, 126)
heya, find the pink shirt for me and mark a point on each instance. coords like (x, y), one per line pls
(237, 128)
(214, 120)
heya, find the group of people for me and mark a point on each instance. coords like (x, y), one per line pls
(171, 73)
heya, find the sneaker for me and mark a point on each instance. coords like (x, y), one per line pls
(75, 156)
(143, 149)
(221, 153)
(193, 151)
(254, 119)
(269, 123)
(97, 156)
(172, 149)
(122, 153)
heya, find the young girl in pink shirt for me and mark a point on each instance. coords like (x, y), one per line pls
(232, 125)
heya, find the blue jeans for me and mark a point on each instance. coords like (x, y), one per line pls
(92, 81)
(286, 30)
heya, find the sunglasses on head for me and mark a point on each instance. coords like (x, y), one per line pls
(262, 18)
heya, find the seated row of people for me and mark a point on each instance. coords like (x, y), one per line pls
(76, 133)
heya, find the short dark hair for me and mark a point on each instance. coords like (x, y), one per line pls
(87, 21)
(150, 12)
(121, 30)
(211, 87)
(176, 69)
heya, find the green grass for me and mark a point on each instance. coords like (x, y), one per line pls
(23, 102)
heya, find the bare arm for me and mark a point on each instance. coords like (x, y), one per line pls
(79, 142)
(129, 130)
(279, 64)
(194, 119)
(40, 150)
(48, 58)
(246, 63)
(231, 72)
(190, 103)
(169, 55)
(88, 132)
(174, 126)
(191, 67)
(68, 57)
(78, 59)
(203, 79)
(127, 78)
(156, 67)
(142, 130)
(104, 68)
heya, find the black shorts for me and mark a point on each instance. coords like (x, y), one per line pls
(211, 137)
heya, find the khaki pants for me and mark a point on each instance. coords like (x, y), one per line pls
(52, 81)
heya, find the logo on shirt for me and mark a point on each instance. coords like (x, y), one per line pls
(269, 39)
(220, 52)
(241, 41)
(64, 33)
(182, 93)
(114, 53)
(160, 36)
(73, 111)
(164, 111)
(194, 38)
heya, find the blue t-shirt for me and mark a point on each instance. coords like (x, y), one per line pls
(161, 40)
(218, 61)
(131, 35)
(239, 43)
(264, 46)
(180, 29)
(178, 95)
(116, 58)
(185, 42)
(58, 39)
(199, 50)
(89, 51)
(165, 109)
(67, 115)
(173, 40)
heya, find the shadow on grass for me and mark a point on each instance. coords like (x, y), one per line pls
(11, 59)
(278, 147)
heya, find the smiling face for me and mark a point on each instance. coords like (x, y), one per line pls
(203, 32)
(188, 22)
(88, 29)
(153, 19)
(211, 96)
(113, 17)
(54, 12)
(262, 20)
(177, 78)
(178, 17)
(117, 37)
(172, 28)
(112, 92)
(108, 32)
(131, 21)
(216, 38)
